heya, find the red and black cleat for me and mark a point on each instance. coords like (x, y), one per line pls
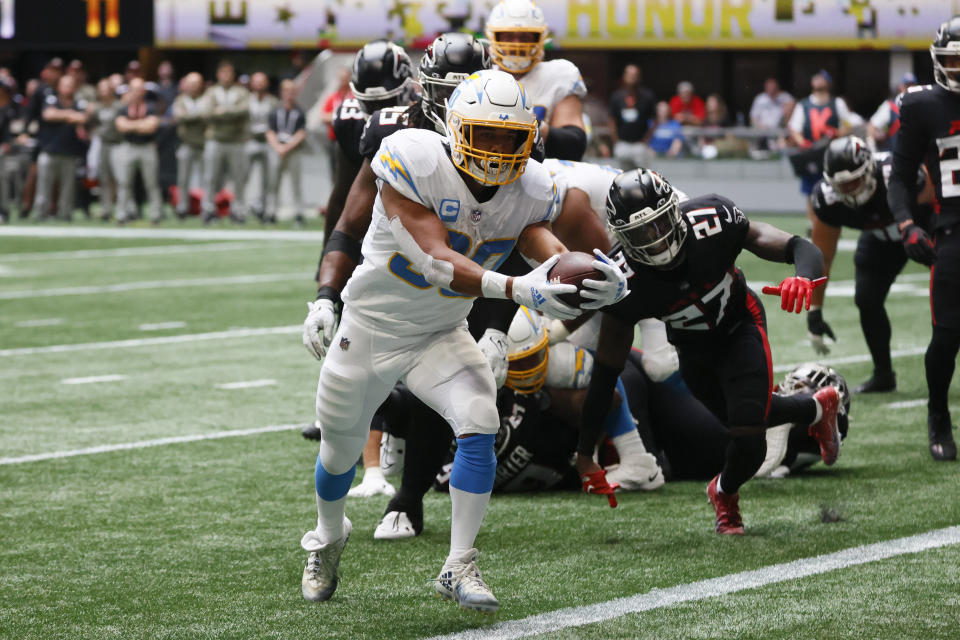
(825, 430)
(729, 522)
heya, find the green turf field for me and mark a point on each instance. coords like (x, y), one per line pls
(200, 539)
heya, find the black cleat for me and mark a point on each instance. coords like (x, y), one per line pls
(940, 433)
(879, 382)
(311, 431)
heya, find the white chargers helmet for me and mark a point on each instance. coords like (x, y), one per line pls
(528, 352)
(490, 127)
(517, 32)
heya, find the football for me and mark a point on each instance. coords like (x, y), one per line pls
(573, 268)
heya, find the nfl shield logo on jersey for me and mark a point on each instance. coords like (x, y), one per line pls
(344, 344)
(475, 215)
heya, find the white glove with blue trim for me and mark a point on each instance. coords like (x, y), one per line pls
(610, 290)
(534, 291)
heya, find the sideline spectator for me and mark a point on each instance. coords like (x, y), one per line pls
(166, 86)
(667, 138)
(633, 108)
(885, 122)
(770, 110)
(108, 141)
(43, 89)
(138, 122)
(286, 135)
(63, 144)
(86, 92)
(189, 113)
(228, 110)
(687, 108)
(257, 151)
(9, 112)
(719, 143)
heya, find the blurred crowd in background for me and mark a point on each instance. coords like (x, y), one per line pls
(128, 145)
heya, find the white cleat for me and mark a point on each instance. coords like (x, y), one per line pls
(320, 575)
(460, 581)
(396, 525)
(639, 472)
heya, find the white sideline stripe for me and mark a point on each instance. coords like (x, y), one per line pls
(906, 404)
(160, 326)
(92, 379)
(863, 357)
(247, 384)
(152, 284)
(171, 234)
(711, 588)
(143, 444)
(149, 342)
(39, 322)
(159, 250)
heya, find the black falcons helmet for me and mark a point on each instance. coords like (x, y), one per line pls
(848, 169)
(945, 52)
(810, 378)
(382, 73)
(447, 61)
(643, 212)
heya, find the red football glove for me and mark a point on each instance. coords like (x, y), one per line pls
(596, 482)
(795, 292)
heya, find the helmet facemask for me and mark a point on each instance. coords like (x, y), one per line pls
(467, 141)
(946, 66)
(529, 353)
(516, 50)
(376, 98)
(653, 237)
(853, 188)
(436, 92)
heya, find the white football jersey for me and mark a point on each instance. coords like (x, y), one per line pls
(548, 83)
(384, 289)
(592, 179)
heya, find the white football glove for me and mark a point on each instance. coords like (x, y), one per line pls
(319, 327)
(534, 291)
(610, 290)
(373, 484)
(493, 343)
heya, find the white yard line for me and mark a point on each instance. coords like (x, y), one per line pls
(151, 342)
(159, 250)
(906, 404)
(39, 322)
(247, 384)
(160, 326)
(143, 444)
(154, 284)
(172, 234)
(863, 357)
(714, 587)
(94, 379)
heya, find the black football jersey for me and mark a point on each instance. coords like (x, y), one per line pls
(874, 215)
(348, 125)
(381, 124)
(705, 295)
(929, 134)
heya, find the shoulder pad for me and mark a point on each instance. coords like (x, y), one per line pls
(406, 158)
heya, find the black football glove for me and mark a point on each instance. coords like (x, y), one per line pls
(817, 330)
(918, 244)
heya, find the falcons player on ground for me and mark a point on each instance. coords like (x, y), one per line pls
(682, 259)
(930, 133)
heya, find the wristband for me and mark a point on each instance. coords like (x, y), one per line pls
(493, 285)
(329, 293)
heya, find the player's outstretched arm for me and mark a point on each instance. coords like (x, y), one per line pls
(770, 243)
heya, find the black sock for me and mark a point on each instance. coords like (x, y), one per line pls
(428, 443)
(800, 408)
(876, 332)
(745, 455)
(940, 361)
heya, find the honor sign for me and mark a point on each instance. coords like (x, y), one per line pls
(812, 24)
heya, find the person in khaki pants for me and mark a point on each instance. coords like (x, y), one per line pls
(228, 110)
(105, 113)
(138, 122)
(65, 119)
(262, 105)
(285, 136)
(189, 112)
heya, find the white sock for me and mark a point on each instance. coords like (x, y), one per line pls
(719, 488)
(819, 412)
(628, 444)
(468, 510)
(372, 474)
(330, 519)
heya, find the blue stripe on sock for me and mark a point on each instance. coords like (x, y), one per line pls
(475, 464)
(331, 487)
(619, 421)
(675, 381)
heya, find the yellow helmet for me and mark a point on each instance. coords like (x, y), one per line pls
(528, 352)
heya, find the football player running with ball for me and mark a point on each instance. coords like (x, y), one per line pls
(680, 259)
(930, 133)
(472, 193)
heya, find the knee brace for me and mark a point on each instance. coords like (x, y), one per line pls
(475, 464)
